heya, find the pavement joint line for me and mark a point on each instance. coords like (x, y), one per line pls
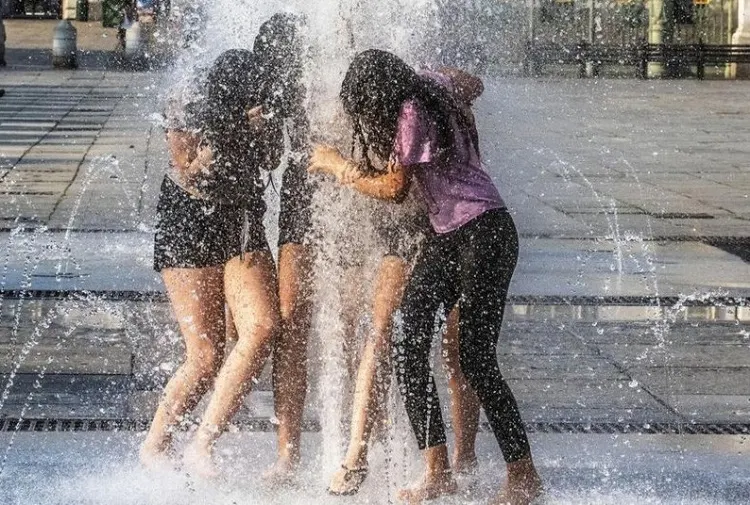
(630, 377)
(83, 158)
(77, 100)
(574, 300)
(47, 425)
(144, 181)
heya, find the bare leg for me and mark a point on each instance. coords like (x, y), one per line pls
(464, 402)
(197, 298)
(437, 480)
(231, 329)
(250, 287)
(373, 373)
(290, 356)
(352, 292)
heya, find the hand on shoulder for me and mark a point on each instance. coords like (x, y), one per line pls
(467, 87)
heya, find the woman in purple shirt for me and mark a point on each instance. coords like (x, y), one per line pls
(412, 122)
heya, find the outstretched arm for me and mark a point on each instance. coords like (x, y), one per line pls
(392, 185)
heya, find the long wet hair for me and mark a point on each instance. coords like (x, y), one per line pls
(230, 90)
(278, 50)
(375, 87)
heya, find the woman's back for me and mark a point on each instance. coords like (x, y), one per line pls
(452, 182)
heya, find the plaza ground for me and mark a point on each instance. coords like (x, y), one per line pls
(628, 313)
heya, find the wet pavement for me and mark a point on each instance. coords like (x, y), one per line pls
(87, 468)
(573, 369)
(628, 309)
(636, 215)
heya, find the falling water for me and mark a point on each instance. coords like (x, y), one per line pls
(348, 254)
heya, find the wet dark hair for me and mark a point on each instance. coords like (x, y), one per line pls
(279, 55)
(375, 87)
(229, 91)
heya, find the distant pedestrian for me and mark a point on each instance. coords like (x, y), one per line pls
(127, 18)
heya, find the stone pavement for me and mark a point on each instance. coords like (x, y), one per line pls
(628, 209)
(92, 358)
(75, 147)
(101, 468)
(29, 44)
(619, 189)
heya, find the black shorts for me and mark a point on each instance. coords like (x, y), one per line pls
(294, 224)
(195, 233)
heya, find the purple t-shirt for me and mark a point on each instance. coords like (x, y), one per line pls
(455, 188)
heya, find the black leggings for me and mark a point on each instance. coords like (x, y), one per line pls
(472, 266)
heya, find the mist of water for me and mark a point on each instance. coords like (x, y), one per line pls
(347, 250)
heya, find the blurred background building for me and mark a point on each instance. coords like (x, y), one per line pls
(481, 33)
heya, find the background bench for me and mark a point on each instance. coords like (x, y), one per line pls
(674, 56)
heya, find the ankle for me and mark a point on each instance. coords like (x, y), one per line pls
(440, 475)
(522, 472)
(436, 458)
(356, 459)
(199, 444)
(289, 454)
(156, 445)
(467, 456)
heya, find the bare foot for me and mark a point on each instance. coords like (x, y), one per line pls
(432, 486)
(466, 465)
(155, 458)
(521, 488)
(281, 473)
(198, 461)
(511, 495)
(347, 480)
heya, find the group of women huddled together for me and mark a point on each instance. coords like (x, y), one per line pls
(413, 134)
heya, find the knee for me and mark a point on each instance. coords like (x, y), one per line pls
(205, 360)
(287, 314)
(295, 320)
(288, 309)
(263, 327)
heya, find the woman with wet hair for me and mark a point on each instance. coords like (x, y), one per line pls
(210, 248)
(278, 45)
(400, 233)
(413, 123)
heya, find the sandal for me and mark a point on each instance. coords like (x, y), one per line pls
(353, 479)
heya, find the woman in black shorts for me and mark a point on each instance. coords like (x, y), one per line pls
(278, 44)
(211, 250)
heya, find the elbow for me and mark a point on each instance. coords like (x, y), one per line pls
(479, 89)
(399, 188)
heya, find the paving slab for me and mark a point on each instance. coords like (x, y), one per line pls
(581, 377)
(614, 186)
(600, 469)
(547, 267)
